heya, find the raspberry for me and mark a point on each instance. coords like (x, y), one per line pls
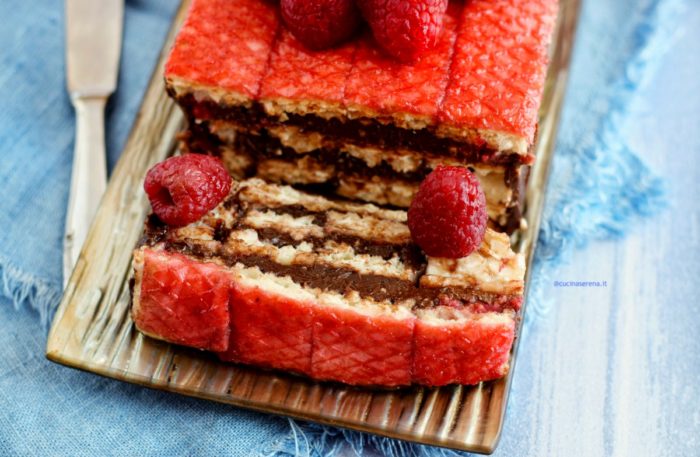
(447, 217)
(320, 24)
(183, 189)
(405, 28)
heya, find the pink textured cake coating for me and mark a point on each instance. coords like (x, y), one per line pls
(499, 65)
(387, 86)
(225, 44)
(269, 330)
(183, 302)
(355, 348)
(461, 351)
(202, 305)
(300, 74)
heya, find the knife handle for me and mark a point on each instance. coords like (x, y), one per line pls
(88, 179)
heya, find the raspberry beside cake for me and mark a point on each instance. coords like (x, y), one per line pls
(353, 120)
(283, 279)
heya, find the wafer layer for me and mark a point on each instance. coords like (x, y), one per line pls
(289, 155)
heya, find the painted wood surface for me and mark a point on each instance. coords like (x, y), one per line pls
(615, 371)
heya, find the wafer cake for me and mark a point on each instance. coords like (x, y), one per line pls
(334, 290)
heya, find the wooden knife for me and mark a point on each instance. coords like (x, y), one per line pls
(93, 46)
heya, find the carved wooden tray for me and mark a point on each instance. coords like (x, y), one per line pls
(93, 331)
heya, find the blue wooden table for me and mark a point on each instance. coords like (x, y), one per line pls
(616, 370)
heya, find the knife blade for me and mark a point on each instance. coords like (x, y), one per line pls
(93, 46)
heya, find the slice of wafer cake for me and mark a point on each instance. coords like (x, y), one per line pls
(355, 120)
(333, 290)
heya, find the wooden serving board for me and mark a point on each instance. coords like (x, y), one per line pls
(93, 331)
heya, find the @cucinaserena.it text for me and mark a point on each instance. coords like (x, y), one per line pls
(580, 283)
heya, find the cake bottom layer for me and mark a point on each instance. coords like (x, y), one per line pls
(371, 175)
(258, 318)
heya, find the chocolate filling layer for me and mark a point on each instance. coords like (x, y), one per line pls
(342, 280)
(267, 147)
(367, 132)
(330, 278)
(411, 256)
(263, 146)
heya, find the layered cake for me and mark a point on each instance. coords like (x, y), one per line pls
(352, 120)
(334, 290)
(343, 213)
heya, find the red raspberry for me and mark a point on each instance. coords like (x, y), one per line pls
(321, 24)
(405, 28)
(183, 189)
(447, 217)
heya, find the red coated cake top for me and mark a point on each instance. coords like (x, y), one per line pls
(295, 72)
(499, 65)
(384, 85)
(487, 72)
(225, 44)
